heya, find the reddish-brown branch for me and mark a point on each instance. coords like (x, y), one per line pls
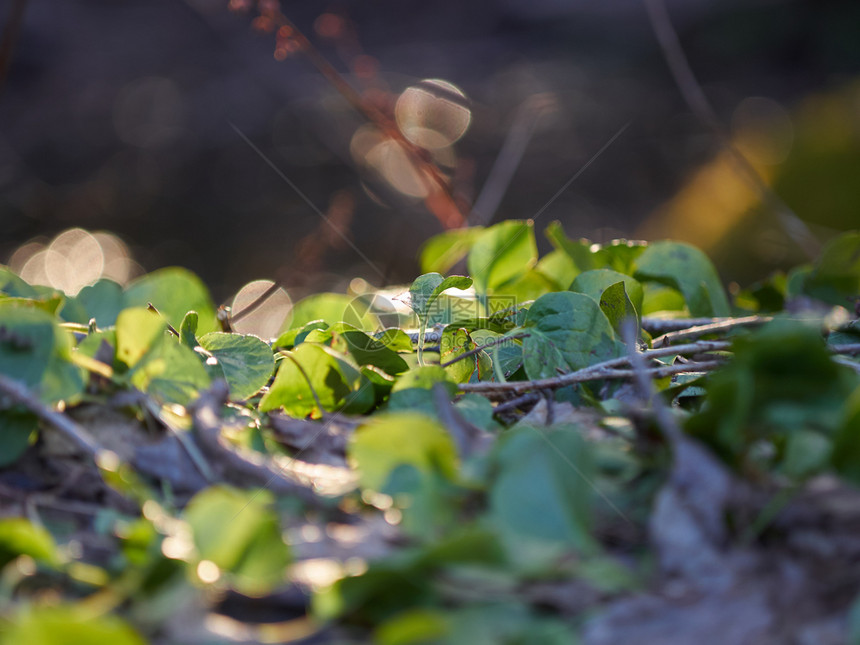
(439, 201)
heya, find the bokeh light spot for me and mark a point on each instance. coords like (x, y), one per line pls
(266, 318)
(433, 114)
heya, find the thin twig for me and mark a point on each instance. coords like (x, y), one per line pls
(507, 161)
(850, 348)
(19, 393)
(467, 437)
(151, 307)
(847, 362)
(517, 402)
(657, 326)
(428, 169)
(182, 439)
(476, 350)
(717, 325)
(605, 369)
(642, 378)
(253, 306)
(698, 103)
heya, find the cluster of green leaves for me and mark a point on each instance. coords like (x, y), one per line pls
(489, 521)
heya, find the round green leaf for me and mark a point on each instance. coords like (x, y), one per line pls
(238, 532)
(567, 331)
(501, 253)
(310, 369)
(594, 283)
(20, 537)
(137, 329)
(69, 625)
(687, 269)
(387, 441)
(246, 361)
(174, 292)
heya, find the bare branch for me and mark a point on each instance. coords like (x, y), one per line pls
(476, 350)
(249, 469)
(717, 325)
(611, 369)
(19, 393)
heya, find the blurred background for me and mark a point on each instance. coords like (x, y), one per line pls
(193, 133)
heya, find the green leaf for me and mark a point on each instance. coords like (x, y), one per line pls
(502, 252)
(188, 330)
(567, 331)
(102, 301)
(836, 276)
(19, 536)
(17, 429)
(297, 335)
(137, 329)
(687, 269)
(595, 283)
(541, 495)
(174, 292)
(846, 443)
(36, 351)
(529, 286)
(428, 287)
(508, 353)
(443, 251)
(68, 625)
(557, 267)
(386, 441)
(617, 306)
(456, 342)
(310, 369)
(781, 381)
(579, 251)
(170, 372)
(370, 351)
(659, 298)
(27, 342)
(395, 339)
(424, 378)
(12, 285)
(414, 626)
(246, 361)
(332, 308)
(238, 532)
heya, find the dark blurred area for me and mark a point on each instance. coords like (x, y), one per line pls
(171, 124)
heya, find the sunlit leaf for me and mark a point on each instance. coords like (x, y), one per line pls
(836, 275)
(386, 441)
(567, 331)
(443, 251)
(170, 372)
(541, 495)
(500, 253)
(174, 292)
(246, 361)
(236, 531)
(615, 303)
(687, 269)
(68, 625)
(19, 536)
(137, 329)
(313, 369)
(428, 287)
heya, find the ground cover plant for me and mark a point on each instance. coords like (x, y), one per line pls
(597, 445)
